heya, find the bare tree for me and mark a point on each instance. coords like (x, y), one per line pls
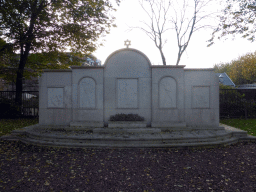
(185, 25)
(157, 13)
(180, 15)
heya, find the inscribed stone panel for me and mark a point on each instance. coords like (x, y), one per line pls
(201, 97)
(167, 93)
(127, 93)
(55, 97)
(87, 93)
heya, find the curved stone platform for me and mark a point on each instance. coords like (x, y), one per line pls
(65, 136)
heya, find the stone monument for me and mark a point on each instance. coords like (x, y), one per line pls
(180, 106)
(166, 96)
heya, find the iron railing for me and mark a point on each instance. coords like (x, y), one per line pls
(30, 102)
(237, 103)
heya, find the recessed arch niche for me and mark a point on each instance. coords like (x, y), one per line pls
(167, 93)
(87, 93)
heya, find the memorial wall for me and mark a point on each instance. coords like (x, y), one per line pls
(128, 83)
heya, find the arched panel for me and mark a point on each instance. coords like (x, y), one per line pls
(167, 93)
(87, 93)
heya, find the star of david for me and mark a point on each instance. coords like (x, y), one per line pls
(127, 43)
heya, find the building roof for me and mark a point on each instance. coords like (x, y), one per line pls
(225, 80)
(247, 86)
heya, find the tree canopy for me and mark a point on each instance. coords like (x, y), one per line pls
(55, 25)
(238, 17)
(241, 71)
(52, 27)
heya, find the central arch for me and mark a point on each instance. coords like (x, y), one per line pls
(127, 84)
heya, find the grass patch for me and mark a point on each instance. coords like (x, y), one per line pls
(7, 125)
(248, 125)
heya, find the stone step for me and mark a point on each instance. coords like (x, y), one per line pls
(127, 124)
(229, 141)
(10, 137)
(169, 124)
(126, 138)
(189, 128)
(126, 130)
(87, 124)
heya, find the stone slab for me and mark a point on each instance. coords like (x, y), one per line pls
(87, 124)
(167, 93)
(168, 124)
(126, 124)
(55, 97)
(126, 130)
(127, 93)
(197, 78)
(56, 78)
(235, 131)
(83, 115)
(55, 116)
(87, 93)
(170, 129)
(175, 139)
(131, 145)
(201, 97)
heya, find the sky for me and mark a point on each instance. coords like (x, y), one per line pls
(197, 54)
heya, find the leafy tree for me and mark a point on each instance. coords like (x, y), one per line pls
(241, 71)
(221, 86)
(8, 62)
(238, 18)
(51, 27)
(248, 63)
(236, 72)
(6, 54)
(221, 68)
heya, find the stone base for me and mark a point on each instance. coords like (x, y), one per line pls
(127, 124)
(127, 130)
(126, 138)
(168, 124)
(87, 124)
(189, 128)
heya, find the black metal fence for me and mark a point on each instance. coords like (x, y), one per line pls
(237, 103)
(30, 102)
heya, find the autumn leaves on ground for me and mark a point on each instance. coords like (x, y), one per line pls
(25, 167)
(33, 168)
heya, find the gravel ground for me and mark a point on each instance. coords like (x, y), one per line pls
(28, 168)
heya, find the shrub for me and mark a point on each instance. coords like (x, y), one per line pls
(126, 117)
(221, 86)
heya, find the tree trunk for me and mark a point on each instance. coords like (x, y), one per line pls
(163, 58)
(19, 82)
(25, 45)
(178, 60)
(23, 60)
(179, 56)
